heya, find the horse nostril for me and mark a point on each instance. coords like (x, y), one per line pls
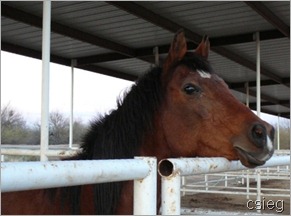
(259, 135)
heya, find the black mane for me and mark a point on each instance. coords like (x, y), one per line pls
(120, 133)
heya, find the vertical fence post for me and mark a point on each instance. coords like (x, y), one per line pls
(46, 31)
(206, 182)
(171, 200)
(247, 94)
(183, 185)
(259, 205)
(248, 184)
(258, 74)
(145, 190)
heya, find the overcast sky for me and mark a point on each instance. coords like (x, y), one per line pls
(21, 87)
(93, 93)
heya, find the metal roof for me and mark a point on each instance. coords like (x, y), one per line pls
(117, 39)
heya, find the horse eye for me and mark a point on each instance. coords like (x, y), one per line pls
(191, 89)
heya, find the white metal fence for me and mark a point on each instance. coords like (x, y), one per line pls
(17, 176)
(32, 175)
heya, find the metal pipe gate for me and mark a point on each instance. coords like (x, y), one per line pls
(17, 176)
(171, 171)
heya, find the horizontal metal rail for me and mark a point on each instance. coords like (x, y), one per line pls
(194, 166)
(171, 171)
(17, 176)
(36, 152)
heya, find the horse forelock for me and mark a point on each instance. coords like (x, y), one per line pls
(196, 63)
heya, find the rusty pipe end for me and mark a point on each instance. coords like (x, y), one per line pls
(165, 168)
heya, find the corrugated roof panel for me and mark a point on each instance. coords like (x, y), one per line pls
(279, 92)
(212, 18)
(107, 21)
(275, 54)
(70, 48)
(21, 34)
(25, 35)
(231, 71)
(242, 97)
(277, 108)
(281, 9)
(130, 66)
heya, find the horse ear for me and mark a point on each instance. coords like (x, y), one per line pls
(177, 50)
(204, 47)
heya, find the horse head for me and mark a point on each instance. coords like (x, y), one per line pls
(201, 117)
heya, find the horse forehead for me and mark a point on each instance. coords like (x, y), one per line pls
(204, 74)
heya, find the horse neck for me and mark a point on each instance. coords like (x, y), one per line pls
(155, 143)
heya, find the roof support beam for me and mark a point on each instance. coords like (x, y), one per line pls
(158, 20)
(63, 61)
(268, 15)
(32, 53)
(253, 83)
(245, 38)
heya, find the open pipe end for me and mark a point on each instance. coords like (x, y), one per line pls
(166, 168)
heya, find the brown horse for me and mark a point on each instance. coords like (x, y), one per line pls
(182, 109)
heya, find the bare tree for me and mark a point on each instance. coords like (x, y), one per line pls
(14, 129)
(13, 126)
(10, 117)
(59, 128)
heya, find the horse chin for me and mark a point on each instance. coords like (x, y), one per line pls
(247, 159)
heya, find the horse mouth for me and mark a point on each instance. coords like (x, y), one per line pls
(247, 159)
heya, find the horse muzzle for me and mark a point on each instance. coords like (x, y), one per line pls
(257, 147)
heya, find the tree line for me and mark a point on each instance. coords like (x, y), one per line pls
(16, 130)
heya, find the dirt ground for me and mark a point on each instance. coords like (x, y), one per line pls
(238, 203)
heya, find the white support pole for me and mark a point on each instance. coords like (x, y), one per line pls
(258, 74)
(247, 94)
(71, 135)
(278, 133)
(259, 205)
(18, 176)
(156, 54)
(145, 190)
(46, 31)
(171, 198)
